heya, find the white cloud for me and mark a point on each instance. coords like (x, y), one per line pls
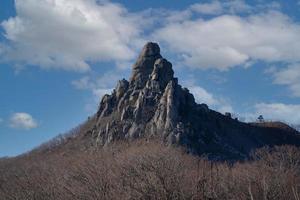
(160, 16)
(214, 7)
(289, 113)
(105, 81)
(225, 107)
(220, 7)
(271, 5)
(69, 34)
(237, 6)
(289, 76)
(22, 121)
(97, 86)
(83, 83)
(226, 41)
(201, 95)
(1, 120)
(172, 16)
(100, 92)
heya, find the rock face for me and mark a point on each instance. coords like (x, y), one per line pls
(153, 104)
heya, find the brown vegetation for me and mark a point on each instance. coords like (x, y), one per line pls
(275, 125)
(150, 170)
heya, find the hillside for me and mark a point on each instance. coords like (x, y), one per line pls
(148, 170)
(152, 104)
(276, 125)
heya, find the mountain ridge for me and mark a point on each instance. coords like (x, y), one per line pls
(153, 104)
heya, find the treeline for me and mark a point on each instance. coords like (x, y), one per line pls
(150, 170)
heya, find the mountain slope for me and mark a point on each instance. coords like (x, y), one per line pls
(153, 104)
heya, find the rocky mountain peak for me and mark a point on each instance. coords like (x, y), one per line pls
(153, 104)
(150, 49)
(144, 65)
(147, 103)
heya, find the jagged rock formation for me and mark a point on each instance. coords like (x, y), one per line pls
(152, 103)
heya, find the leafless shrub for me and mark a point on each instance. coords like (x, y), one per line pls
(149, 170)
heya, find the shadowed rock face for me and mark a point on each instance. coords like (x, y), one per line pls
(152, 103)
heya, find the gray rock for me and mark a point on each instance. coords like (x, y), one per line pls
(121, 88)
(152, 103)
(144, 65)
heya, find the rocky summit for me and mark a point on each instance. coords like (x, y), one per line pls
(153, 104)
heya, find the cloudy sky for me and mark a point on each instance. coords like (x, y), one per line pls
(58, 57)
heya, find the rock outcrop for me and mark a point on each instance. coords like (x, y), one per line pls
(153, 104)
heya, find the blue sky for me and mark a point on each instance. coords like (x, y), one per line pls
(58, 57)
